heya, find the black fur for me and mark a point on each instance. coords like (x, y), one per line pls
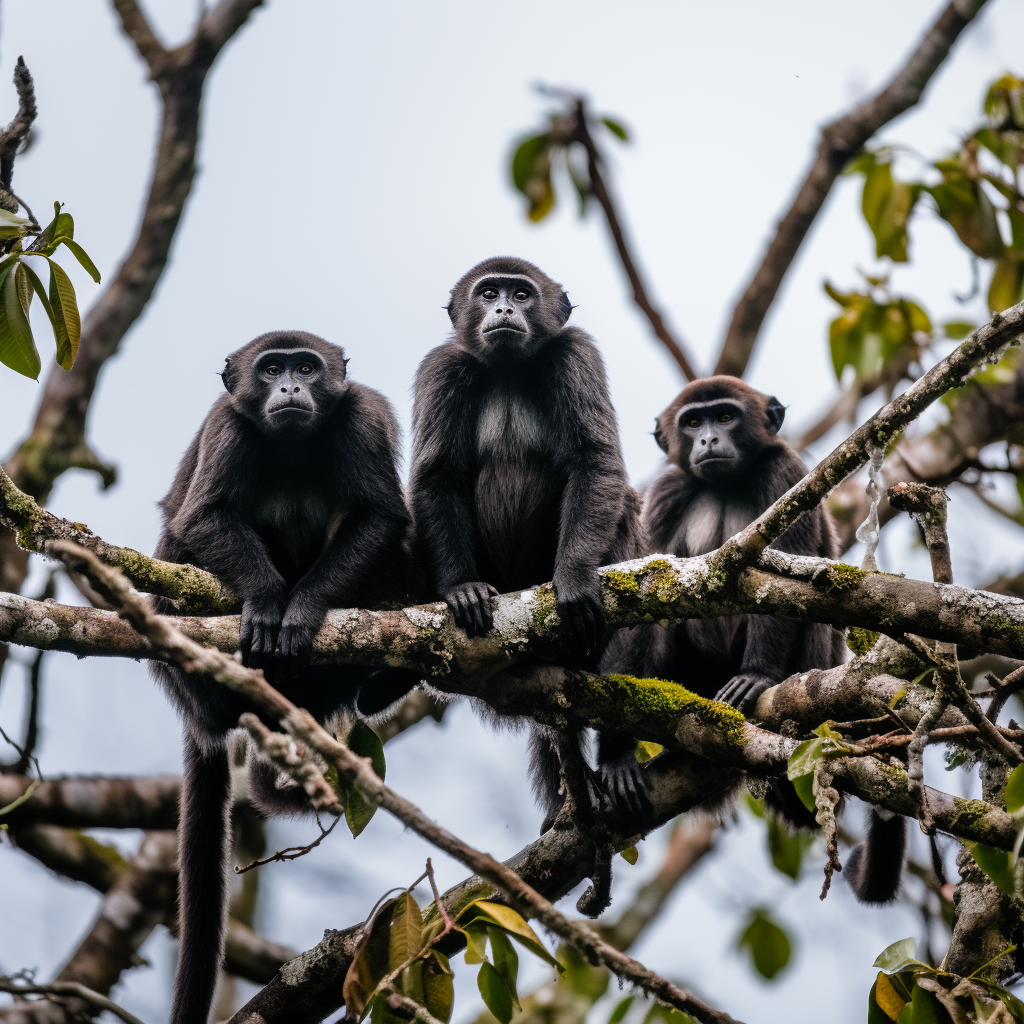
(699, 502)
(517, 475)
(290, 495)
(874, 866)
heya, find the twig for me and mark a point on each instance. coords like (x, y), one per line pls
(580, 132)
(840, 141)
(69, 988)
(449, 924)
(290, 852)
(302, 727)
(15, 133)
(408, 1009)
(1011, 684)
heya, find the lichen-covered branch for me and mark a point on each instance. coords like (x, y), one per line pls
(657, 588)
(840, 141)
(985, 345)
(195, 590)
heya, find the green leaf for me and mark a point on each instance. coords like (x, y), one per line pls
(525, 158)
(37, 287)
(583, 978)
(997, 864)
(438, 986)
(647, 751)
(515, 924)
(804, 758)
(369, 962)
(11, 225)
(506, 961)
(615, 128)
(630, 855)
(17, 346)
(476, 943)
(896, 956)
(1007, 285)
(65, 315)
(787, 849)
(768, 944)
(83, 258)
(957, 330)
(496, 996)
(621, 1009)
(362, 740)
(804, 786)
(1015, 790)
(922, 1009)
(406, 939)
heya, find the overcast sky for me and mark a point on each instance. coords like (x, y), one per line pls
(353, 164)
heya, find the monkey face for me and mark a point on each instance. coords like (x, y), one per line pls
(284, 389)
(503, 307)
(712, 433)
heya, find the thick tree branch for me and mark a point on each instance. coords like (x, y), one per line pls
(146, 803)
(839, 142)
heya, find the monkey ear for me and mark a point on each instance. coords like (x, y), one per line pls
(564, 308)
(776, 413)
(229, 376)
(659, 436)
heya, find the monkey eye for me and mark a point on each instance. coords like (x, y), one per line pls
(522, 295)
(693, 422)
(305, 368)
(490, 293)
(725, 417)
(273, 369)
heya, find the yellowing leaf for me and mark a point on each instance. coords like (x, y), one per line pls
(515, 924)
(630, 855)
(406, 931)
(888, 999)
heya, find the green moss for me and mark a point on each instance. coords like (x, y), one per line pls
(646, 699)
(545, 607)
(967, 816)
(841, 576)
(860, 640)
(624, 581)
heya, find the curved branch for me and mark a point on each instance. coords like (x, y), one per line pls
(840, 141)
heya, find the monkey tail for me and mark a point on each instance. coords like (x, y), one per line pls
(202, 888)
(875, 864)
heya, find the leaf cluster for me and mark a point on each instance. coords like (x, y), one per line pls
(979, 197)
(909, 991)
(19, 283)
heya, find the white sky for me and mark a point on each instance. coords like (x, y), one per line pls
(353, 165)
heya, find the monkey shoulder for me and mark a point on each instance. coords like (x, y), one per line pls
(365, 414)
(781, 468)
(664, 503)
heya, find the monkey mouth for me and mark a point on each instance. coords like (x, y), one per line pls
(291, 407)
(503, 329)
(711, 457)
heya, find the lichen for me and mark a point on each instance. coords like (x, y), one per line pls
(545, 606)
(967, 816)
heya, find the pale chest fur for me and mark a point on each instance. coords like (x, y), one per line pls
(708, 521)
(509, 423)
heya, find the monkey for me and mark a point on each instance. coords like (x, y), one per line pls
(726, 465)
(518, 479)
(290, 495)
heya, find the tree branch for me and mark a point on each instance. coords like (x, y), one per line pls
(136, 26)
(985, 345)
(839, 142)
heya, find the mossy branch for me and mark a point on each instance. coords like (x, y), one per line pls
(195, 590)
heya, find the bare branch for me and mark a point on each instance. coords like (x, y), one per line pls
(146, 803)
(224, 19)
(840, 141)
(580, 132)
(68, 988)
(15, 133)
(136, 26)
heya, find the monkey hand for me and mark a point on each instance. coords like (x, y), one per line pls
(261, 620)
(743, 690)
(295, 639)
(624, 793)
(582, 616)
(470, 604)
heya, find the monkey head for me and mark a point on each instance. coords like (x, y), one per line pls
(507, 308)
(286, 381)
(717, 426)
